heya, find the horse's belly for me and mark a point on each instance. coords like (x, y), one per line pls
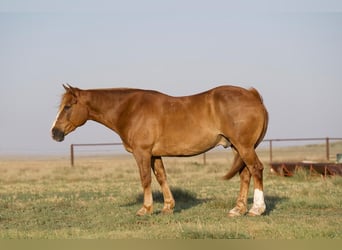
(187, 145)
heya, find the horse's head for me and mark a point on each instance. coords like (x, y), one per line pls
(72, 113)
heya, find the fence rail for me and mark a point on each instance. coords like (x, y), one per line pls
(72, 147)
(326, 139)
(270, 142)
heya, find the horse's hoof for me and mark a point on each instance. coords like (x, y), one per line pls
(145, 211)
(235, 212)
(257, 211)
(168, 207)
(167, 211)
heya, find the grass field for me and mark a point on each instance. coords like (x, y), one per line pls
(44, 198)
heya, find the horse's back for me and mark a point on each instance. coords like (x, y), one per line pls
(193, 124)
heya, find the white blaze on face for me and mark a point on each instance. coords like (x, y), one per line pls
(258, 198)
(54, 123)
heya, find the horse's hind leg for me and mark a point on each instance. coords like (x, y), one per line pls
(255, 168)
(259, 206)
(241, 203)
(159, 171)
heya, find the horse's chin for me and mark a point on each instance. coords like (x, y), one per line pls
(60, 139)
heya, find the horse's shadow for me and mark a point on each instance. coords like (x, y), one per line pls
(271, 203)
(185, 199)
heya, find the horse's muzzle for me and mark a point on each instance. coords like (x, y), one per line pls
(57, 134)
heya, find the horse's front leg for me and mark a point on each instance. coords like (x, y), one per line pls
(159, 172)
(144, 163)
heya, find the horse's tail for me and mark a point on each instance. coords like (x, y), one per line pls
(238, 165)
(256, 94)
(264, 129)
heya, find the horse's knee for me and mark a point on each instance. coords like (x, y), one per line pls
(145, 177)
(146, 181)
(159, 174)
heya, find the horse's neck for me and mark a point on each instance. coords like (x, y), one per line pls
(104, 108)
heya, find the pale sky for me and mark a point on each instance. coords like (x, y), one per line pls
(293, 56)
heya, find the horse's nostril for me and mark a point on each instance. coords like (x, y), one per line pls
(57, 134)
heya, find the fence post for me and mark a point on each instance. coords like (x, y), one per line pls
(204, 158)
(72, 154)
(271, 155)
(327, 148)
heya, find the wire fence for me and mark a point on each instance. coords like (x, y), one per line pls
(270, 150)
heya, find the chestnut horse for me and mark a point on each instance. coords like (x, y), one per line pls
(152, 125)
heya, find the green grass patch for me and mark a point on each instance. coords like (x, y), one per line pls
(48, 200)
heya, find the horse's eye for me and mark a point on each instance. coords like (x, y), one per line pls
(67, 107)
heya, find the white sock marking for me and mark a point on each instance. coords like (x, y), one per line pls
(258, 198)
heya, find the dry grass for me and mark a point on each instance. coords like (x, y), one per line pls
(98, 198)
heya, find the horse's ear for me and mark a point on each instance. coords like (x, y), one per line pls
(70, 89)
(66, 87)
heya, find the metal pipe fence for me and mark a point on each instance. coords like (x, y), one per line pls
(72, 148)
(271, 143)
(327, 141)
